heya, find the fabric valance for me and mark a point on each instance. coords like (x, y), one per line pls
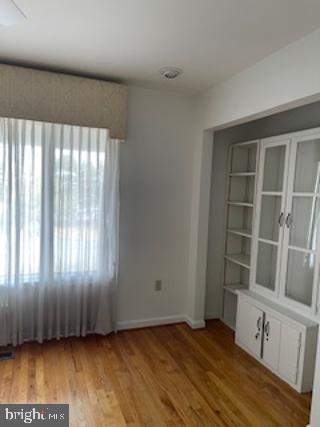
(32, 94)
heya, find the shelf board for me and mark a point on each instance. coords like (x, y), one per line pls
(241, 259)
(245, 204)
(242, 174)
(240, 232)
(233, 288)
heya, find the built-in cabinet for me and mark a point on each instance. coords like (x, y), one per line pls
(285, 248)
(282, 340)
(272, 251)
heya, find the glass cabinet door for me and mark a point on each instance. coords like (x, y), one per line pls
(302, 222)
(270, 214)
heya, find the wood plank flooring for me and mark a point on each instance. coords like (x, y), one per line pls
(163, 376)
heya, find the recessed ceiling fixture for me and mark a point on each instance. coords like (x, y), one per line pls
(10, 13)
(170, 72)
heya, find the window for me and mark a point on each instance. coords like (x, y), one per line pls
(57, 184)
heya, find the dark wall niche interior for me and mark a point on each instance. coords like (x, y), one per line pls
(301, 118)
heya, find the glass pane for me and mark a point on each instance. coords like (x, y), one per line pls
(267, 265)
(299, 280)
(307, 166)
(305, 222)
(269, 220)
(274, 168)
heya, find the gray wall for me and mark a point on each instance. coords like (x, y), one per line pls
(301, 118)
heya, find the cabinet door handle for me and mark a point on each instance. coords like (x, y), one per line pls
(259, 323)
(267, 329)
(289, 220)
(281, 219)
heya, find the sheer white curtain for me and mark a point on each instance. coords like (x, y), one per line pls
(59, 205)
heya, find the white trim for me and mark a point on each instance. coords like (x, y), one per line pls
(240, 232)
(272, 193)
(239, 259)
(242, 174)
(244, 204)
(153, 321)
(299, 249)
(309, 194)
(195, 324)
(158, 321)
(301, 134)
(243, 144)
(269, 242)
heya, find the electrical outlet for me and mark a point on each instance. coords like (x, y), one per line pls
(158, 285)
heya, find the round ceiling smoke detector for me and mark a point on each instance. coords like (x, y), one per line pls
(170, 73)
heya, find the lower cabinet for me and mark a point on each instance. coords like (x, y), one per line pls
(282, 340)
(271, 341)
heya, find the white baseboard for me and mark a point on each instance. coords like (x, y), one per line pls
(154, 321)
(212, 315)
(194, 324)
(158, 321)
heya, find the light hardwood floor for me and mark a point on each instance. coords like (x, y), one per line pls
(163, 376)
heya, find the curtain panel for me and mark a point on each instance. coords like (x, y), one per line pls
(59, 208)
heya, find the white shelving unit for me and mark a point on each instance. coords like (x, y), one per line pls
(240, 199)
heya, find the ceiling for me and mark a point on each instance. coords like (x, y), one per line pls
(130, 40)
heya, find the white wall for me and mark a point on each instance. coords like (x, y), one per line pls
(289, 77)
(156, 176)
